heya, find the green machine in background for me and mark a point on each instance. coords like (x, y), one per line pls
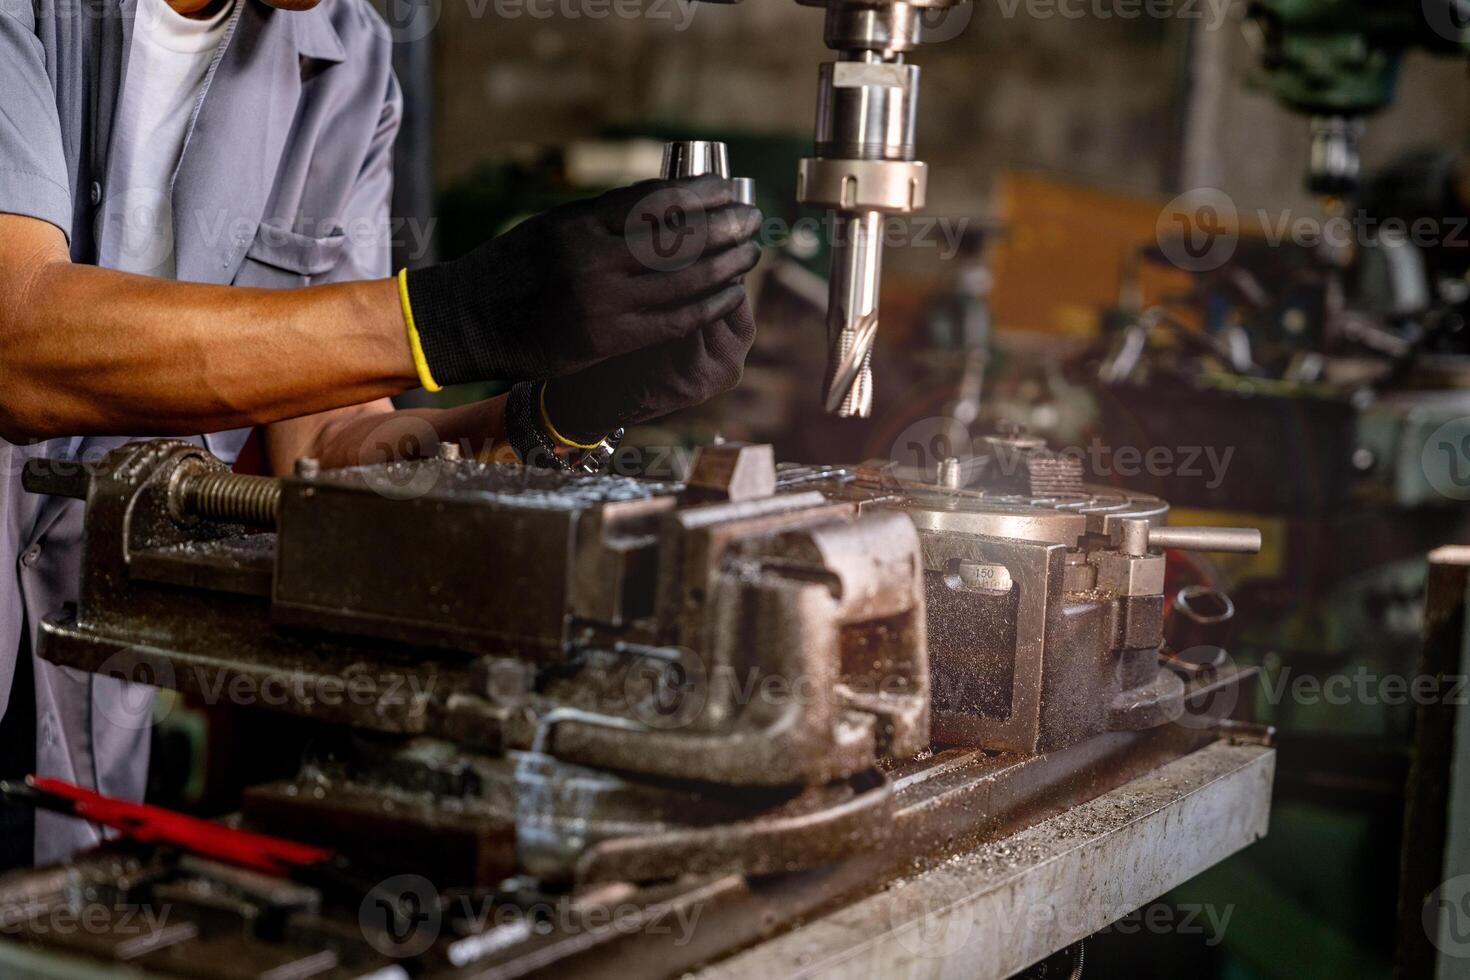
(1337, 61)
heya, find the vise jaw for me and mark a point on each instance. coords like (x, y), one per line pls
(717, 631)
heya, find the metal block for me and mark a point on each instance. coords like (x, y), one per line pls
(991, 654)
(732, 471)
(459, 555)
(1140, 622)
(1128, 575)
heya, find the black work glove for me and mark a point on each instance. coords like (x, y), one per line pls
(634, 268)
(651, 383)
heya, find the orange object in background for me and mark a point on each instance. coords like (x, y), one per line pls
(1062, 257)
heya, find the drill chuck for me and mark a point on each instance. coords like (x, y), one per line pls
(864, 170)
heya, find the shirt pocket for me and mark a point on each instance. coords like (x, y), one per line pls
(281, 258)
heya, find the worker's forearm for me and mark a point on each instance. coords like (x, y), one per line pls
(91, 351)
(477, 429)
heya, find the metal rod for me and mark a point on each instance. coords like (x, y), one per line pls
(1238, 540)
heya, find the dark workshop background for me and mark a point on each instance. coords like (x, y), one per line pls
(1106, 101)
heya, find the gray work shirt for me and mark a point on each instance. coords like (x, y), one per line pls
(284, 181)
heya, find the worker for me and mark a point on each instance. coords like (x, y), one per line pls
(171, 171)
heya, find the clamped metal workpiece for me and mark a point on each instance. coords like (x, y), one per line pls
(718, 632)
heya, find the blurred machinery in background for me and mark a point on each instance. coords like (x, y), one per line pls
(1331, 392)
(956, 325)
(1338, 63)
(1324, 395)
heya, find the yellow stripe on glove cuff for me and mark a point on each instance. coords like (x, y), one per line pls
(420, 363)
(546, 421)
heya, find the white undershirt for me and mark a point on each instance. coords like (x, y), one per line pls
(167, 62)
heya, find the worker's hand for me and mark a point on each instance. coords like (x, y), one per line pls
(636, 268)
(651, 383)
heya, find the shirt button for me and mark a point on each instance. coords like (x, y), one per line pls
(31, 556)
(96, 192)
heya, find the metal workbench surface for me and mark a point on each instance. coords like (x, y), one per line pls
(994, 910)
